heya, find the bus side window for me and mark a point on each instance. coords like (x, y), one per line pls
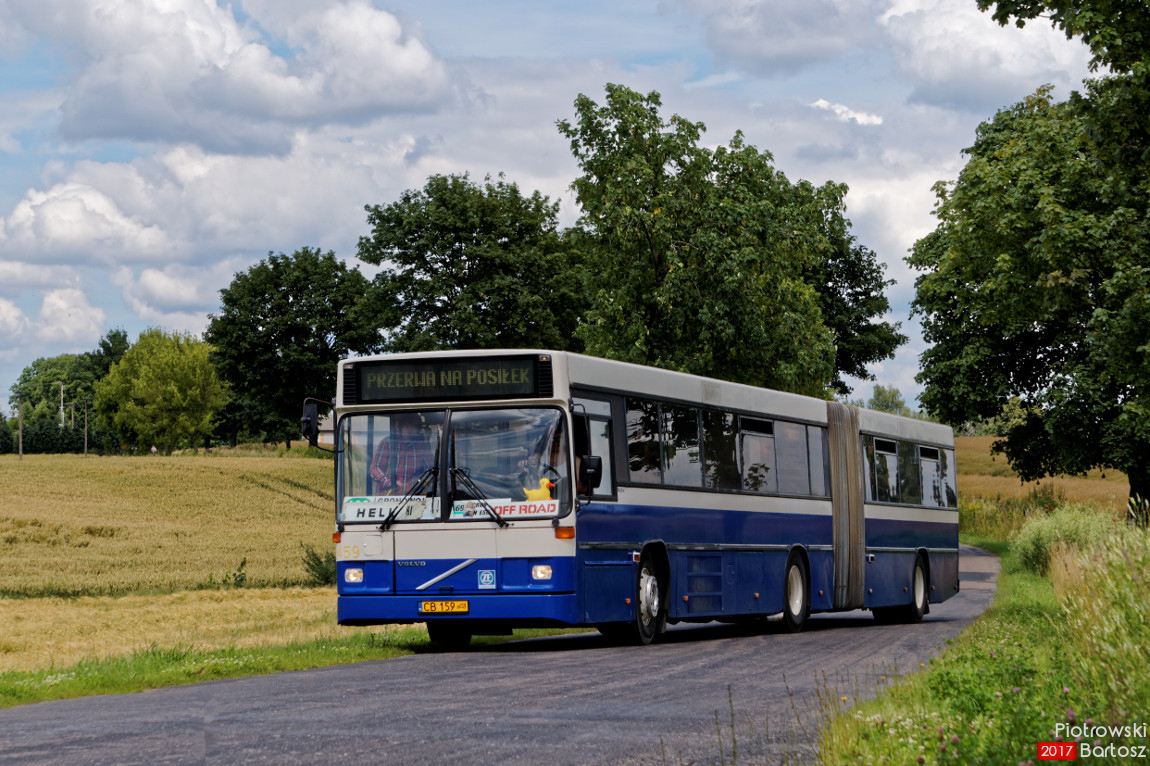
(949, 472)
(592, 433)
(643, 441)
(932, 492)
(680, 443)
(758, 447)
(885, 471)
(792, 458)
(820, 461)
(720, 440)
(601, 447)
(909, 474)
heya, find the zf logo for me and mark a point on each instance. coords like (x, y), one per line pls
(487, 579)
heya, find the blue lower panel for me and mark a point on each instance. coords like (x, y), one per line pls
(522, 609)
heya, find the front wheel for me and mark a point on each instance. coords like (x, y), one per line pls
(796, 592)
(650, 601)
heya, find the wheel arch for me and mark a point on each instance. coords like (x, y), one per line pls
(661, 554)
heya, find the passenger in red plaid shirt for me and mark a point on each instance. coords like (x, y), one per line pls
(401, 456)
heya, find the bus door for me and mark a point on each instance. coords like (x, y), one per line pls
(847, 505)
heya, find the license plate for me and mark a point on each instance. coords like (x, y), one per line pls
(443, 607)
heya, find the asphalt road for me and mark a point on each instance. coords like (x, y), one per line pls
(562, 700)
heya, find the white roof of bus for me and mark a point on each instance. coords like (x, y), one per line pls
(665, 384)
(653, 382)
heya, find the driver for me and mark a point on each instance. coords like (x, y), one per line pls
(401, 456)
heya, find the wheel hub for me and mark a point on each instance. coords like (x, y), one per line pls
(648, 597)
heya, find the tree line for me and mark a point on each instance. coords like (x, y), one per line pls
(702, 260)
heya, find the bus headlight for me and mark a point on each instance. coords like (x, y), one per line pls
(541, 572)
(353, 574)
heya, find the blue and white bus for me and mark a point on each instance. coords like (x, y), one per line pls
(480, 491)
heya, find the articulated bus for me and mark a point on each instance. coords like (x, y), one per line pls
(481, 491)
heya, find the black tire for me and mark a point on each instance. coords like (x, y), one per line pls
(650, 601)
(796, 592)
(452, 636)
(919, 591)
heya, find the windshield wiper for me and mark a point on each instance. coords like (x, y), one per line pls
(418, 487)
(477, 494)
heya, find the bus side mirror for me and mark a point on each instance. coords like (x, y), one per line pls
(309, 424)
(591, 471)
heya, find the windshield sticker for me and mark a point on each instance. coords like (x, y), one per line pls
(381, 507)
(470, 509)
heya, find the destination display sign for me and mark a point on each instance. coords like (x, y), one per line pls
(427, 380)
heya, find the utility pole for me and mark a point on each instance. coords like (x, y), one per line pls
(60, 383)
(20, 421)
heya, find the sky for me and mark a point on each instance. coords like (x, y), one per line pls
(152, 149)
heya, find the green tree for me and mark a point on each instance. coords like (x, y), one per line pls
(705, 260)
(39, 388)
(163, 392)
(1037, 286)
(282, 327)
(850, 284)
(888, 399)
(472, 266)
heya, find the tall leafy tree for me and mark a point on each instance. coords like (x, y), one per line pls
(1037, 286)
(282, 327)
(163, 392)
(1038, 275)
(705, 260)
(468, 265)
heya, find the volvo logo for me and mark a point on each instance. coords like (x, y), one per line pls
(411, 563)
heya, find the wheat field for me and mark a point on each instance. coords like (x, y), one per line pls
(76, 526)
(983, 474)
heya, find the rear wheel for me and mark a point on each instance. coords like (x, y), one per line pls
(918, 588)
(449, 635)
(796, 592)
(908, 613)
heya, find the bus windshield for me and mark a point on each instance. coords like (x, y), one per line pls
(439, 465)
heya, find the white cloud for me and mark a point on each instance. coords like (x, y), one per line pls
(176, 288)
(780, 36)
(67, 317)
(75, 220)
(18, 275)
(846, 114)
(958, 57)
(13, 322)
(186, 70)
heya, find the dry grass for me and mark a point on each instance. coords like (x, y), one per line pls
(41, 633)
(71, 525)
(984, 474)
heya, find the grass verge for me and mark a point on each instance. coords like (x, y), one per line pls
(157, 667)
(1040, 662)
